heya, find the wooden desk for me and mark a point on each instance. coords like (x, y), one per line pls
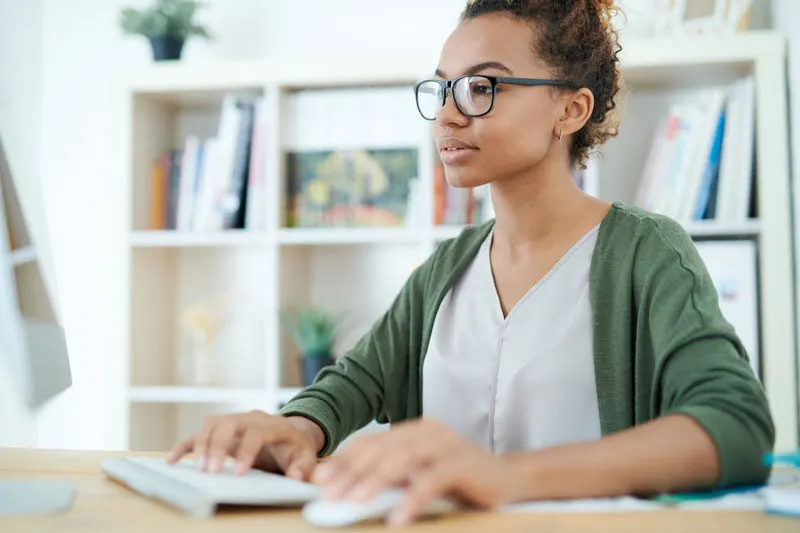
(104, 506)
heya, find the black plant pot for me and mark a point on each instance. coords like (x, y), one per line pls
(313, 363)
(166, 48)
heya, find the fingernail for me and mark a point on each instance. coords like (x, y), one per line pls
(200, 462)
(214, 465)
(241, 468)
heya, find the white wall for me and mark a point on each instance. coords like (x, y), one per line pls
(83, 54)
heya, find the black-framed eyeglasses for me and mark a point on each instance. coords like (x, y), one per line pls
(474, 95)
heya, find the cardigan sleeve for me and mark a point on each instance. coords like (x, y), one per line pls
(351, 393)
(701, 367)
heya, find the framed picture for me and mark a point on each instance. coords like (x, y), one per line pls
(733, 267)
(700, 16)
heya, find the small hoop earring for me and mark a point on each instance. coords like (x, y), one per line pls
(560, 134)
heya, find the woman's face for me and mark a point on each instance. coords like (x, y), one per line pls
(521, 127)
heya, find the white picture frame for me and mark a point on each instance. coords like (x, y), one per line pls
(702, 16)
(691, 17)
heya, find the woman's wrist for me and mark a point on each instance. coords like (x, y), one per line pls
(524, 484)
(570, 471)
(311, 430)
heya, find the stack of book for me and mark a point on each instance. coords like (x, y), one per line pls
(214, 184)
(700, 163)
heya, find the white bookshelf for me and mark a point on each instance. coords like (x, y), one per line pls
(359, 271)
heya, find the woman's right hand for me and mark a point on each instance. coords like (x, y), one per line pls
(255, 440)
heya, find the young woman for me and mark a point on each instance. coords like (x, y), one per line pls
(570, 348)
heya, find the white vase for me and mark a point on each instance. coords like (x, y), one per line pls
(199, 366)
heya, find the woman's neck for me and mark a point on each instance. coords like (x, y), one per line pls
(540, 206)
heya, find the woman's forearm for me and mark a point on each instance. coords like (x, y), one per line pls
(667, 455)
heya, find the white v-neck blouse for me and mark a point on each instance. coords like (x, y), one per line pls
(520, 383)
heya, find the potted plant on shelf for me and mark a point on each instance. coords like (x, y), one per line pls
(314, 332)
(167, 25)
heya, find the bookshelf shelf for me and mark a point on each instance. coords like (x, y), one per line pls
(190, 84)
(287, 393)
(178, 239)
(442, 233)
(23, 256)
(344, 236)
(710, 229)
(709, 50)
(695, 229)
(195, 395)
(336, 104)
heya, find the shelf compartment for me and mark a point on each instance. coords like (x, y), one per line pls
(219, 283)
(358, 283)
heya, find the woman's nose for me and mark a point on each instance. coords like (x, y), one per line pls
(449, 114)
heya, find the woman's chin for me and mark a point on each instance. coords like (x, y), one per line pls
(462, 179)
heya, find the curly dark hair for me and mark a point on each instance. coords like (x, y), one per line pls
(576, 39)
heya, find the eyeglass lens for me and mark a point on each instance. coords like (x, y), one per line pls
(473, 94)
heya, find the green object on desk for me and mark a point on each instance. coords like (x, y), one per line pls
(769, 459)
(681, 497)
(792, 459)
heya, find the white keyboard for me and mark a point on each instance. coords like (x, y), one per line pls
(226, 486)
(185, 486)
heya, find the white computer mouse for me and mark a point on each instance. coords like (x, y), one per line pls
(340, 513)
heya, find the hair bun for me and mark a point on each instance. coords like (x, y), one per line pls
(606, 10)
(604, 5)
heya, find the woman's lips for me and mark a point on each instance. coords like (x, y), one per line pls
(455, 151)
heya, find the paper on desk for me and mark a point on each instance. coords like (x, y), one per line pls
(595, 505)
(783, 478)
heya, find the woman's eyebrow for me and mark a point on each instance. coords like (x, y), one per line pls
(474, 69)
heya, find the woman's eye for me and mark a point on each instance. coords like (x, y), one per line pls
(482, 90)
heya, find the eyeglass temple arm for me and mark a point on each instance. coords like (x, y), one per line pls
(534, 81)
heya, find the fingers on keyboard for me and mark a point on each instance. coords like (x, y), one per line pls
(220, 442)
(180, 450)
(249, 448)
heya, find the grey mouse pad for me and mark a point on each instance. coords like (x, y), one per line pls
(35, 497)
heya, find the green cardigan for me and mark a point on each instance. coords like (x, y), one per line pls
(661, 346)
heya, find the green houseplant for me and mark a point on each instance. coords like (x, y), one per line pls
(314, 332)
(167, 24)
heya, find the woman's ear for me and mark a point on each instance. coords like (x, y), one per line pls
(578, 107)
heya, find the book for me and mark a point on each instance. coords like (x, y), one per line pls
(205, 183)
(700, 163)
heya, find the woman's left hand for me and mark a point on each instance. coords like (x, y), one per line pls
(426, 458)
